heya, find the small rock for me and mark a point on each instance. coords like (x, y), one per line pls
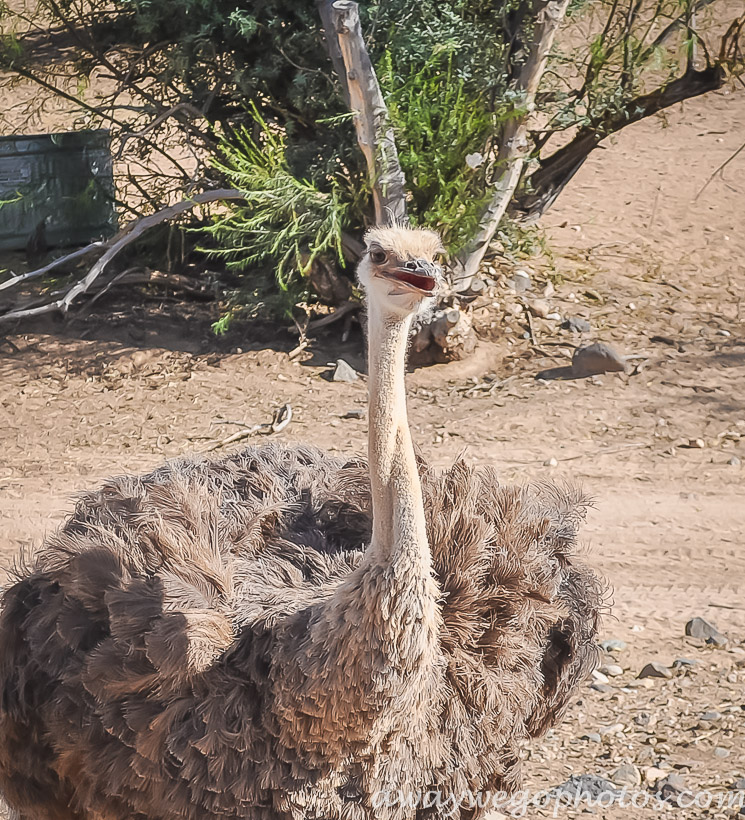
(551, 462)
(599, 677)
(593, 737)
(652, 774)
(540, 308)
(721, 752)
(548, 290)
(655, 670)
(354, 414)
(645, 719)
(734, 461)
(595, 359)
(576, 324)
(602, 687)
(554, 317)
(521, 281)
(684, 764)
(611, 670)
(344, 372)
(671, 787)
(627, 775)
(702, 629)
(612, 645)
(644, 683)
(584, 786)
(680, 663)
(738, 785)
(696, 444)
(711, 715)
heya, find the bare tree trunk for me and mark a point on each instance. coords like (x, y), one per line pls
(514, 148)
(374, 133)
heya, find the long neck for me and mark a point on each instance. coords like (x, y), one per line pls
(399, 532)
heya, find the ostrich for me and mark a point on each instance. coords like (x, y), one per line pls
(284, 635)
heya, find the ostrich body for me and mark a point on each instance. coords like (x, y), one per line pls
(282, 635)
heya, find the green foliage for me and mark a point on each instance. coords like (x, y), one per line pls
(286, 221)
(438, 123)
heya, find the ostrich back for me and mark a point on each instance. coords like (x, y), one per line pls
(136, 653)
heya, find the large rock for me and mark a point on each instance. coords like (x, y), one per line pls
(446, 336)
(595, 359)
(344, 372)
(703, 630)
(655, 670)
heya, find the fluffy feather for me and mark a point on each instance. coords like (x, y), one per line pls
(137, 653)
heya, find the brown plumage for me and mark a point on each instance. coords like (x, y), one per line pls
(231, 639)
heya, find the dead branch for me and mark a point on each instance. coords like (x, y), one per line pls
(513, 144)
(374, 132)
(19, 278)
(124, 238)
(281, 418)
(556, 170)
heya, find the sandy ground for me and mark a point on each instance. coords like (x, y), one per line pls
(658, 267)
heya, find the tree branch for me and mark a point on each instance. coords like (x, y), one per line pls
(513, 147)
(374, 132)
(556, 170)
(124, 238)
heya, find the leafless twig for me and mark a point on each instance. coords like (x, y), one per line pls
(132, 232)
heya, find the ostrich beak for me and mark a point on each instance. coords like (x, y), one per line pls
(418, 275)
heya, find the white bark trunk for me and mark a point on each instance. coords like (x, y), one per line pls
(374, 132)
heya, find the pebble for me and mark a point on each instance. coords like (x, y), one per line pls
(551, 462)
(720, 751)
(678, 663)
(521, 281)
(540, 308)
(738, 785)
(599, 677)
(602, 687)
(593, 737)
(595, 359)
(354, 414)
(612, 645)
(711, 715)
(696, 444)
(734, 461)
(587, 784)
(670, 787)
(652, 774)
(611, 669)
(702, 629)
(576, 324)
(344, 372)
(627, 775)
(554, 317)
(548, 290)
(655, 670)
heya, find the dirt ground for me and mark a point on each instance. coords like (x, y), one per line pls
(654, 258)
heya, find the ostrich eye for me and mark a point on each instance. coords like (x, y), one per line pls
(378, 256)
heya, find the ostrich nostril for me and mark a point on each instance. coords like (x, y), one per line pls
(412, 265)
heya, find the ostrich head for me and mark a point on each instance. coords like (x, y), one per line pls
(398, 270)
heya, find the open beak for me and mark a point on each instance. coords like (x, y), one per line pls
(422, 278)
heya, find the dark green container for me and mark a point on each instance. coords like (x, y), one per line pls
(66, 179)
